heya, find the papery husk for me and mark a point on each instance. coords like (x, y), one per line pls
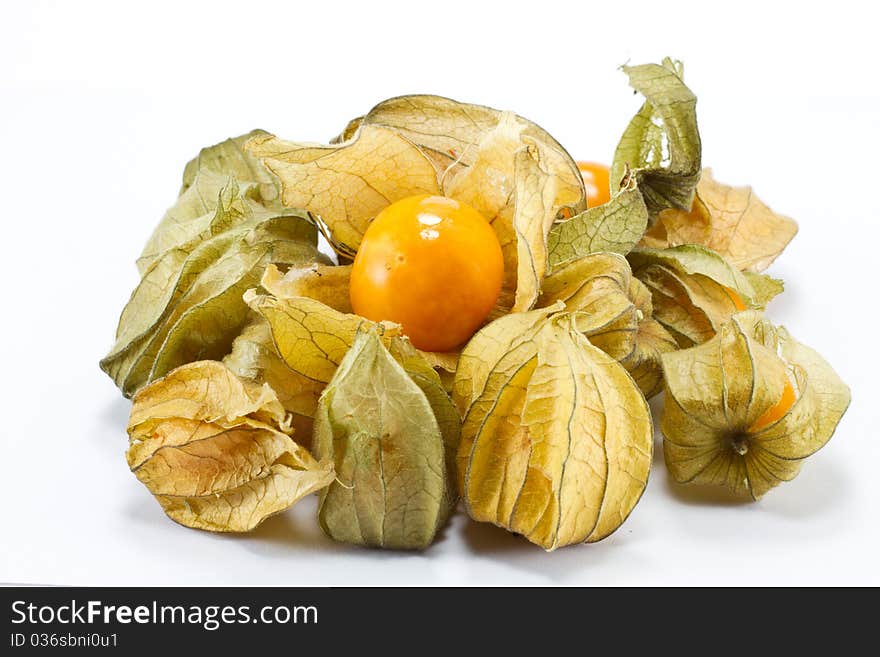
(347, 184)
(615, 226)
(211, 246)
(557, 439)
(255, 358)
(229, 158)
(386, 423)
(732, 221)
(661, 145)
(326, 290)
(188, 306)
(328, 284)
(695, 290)
(215, 450)
(298, 342)
(651, 342)
(197, 215)
(613, 310)
(656, 167)
(716, 392)
(506, 167)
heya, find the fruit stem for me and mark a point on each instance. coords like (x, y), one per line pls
(740, 445)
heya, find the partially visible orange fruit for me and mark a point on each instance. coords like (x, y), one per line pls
(777, 411)
(738, 303)
(597, 182)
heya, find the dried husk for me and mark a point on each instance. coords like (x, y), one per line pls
(556, 438)
(695, 290)
(510, 170)
(255, 358)
(656, 167)
(197, 215)
(231, 159)
(661, 145)
(210, 247)
(614, 311)
(188, 306)
(732, 221)
(386, 423)
(309, 336)
(651, 342)
(309, 304)
(615, 226)
(716, 392)
(215, 450)
(328, 284)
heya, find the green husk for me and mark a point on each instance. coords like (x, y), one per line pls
(661, 145)
(377, 425)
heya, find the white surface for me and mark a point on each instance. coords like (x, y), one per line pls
(103, 104)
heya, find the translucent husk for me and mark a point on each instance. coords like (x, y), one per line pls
(716, 392)
(556, 439)
(388, 426)
(613, 310)
(216, 452)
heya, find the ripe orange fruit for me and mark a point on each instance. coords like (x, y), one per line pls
(737, 300)
(433, 265)
(776, 411)
(597, 182)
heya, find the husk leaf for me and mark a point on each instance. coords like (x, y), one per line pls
(661, 144)
(556, 438)
(188, 306)
(695, 290)
(732, 221)
(716, 391)
(613, 310)
(378, 426)
(215, 451)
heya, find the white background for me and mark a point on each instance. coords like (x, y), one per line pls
(102, 104)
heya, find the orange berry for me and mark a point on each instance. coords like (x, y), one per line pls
(433, 265)
(597, 182)
(738, 303)
(777, 411)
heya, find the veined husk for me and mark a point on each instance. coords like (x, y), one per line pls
(231, 159)
(656, 167)
(695, 290)
(732, 221)
(255, 358)
(255, 355)
(556, 439)
(615, 226)
(189, 305)
(195, 216)
(310, 337)
(215, 450)
(506, 167)
(716, 391)
(210, 247)
(391, 431)
(661, 144)
(317, 295)
(296, 343)
(613, 310)
(651, 342)
(328, 284)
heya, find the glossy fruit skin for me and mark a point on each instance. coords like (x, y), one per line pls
(776, 411)
(597, 182)
(431, 264)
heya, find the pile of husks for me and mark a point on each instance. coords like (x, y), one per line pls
(254, 384)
